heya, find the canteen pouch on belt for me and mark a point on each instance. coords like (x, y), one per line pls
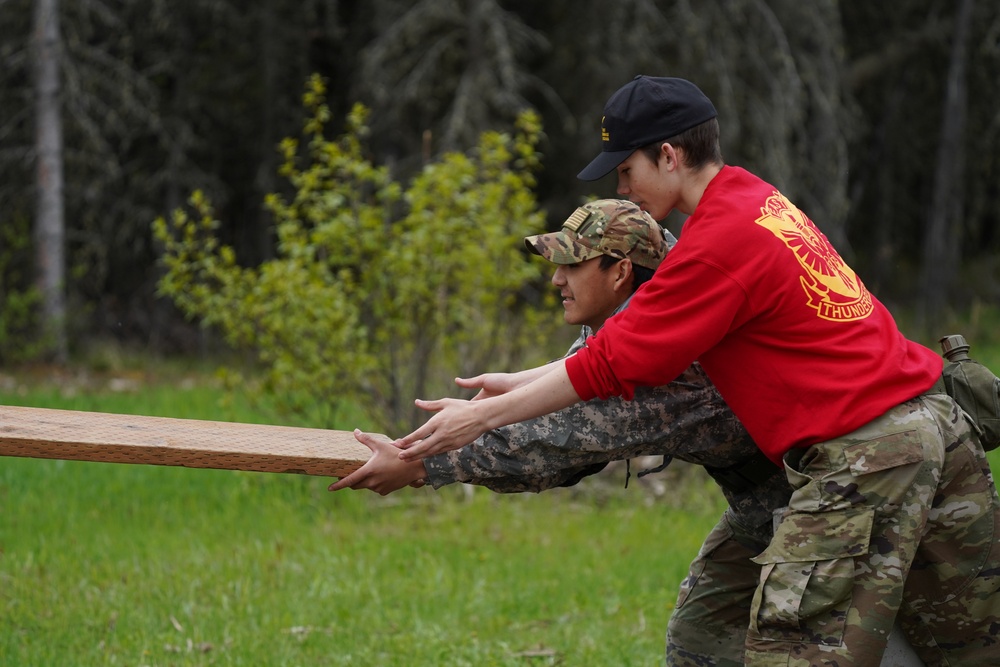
(974, 387)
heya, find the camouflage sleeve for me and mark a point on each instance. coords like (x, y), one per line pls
(581, 340)
(686, 418)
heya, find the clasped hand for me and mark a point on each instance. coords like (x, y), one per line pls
(384, 472)
(391, 468)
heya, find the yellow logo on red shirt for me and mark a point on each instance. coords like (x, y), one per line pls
(831, 286)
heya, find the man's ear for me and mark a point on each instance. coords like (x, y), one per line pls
(623, 278)
(670, 154)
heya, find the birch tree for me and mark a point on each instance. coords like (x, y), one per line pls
(945, 220)
(50, 224)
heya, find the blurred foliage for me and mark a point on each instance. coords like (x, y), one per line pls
(377, 287)
(19, 339)
(839, 103)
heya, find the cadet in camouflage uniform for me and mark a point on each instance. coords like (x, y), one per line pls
(894, 513)
(686, 420)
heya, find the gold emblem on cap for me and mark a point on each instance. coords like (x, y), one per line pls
(605, 136)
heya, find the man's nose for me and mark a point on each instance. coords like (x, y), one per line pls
(623, 188)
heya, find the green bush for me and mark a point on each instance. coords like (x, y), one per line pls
(379, 292)
(19, 326)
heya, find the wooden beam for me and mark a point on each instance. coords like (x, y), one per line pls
(114, 438)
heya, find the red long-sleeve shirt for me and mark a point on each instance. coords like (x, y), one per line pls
(796, 344)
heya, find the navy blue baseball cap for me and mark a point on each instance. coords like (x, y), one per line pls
(645, 110)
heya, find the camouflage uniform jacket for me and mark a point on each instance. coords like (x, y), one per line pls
(686, 419)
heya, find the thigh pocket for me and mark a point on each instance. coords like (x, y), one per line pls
(807, 576)
(722, 533)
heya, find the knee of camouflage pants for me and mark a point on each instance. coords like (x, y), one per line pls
(866, 507)
(951, 603)
(709, 622)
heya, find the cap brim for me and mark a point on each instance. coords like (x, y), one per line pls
(559, 248)
(603, 164)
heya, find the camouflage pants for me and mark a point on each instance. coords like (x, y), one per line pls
(899, 516)
(709, 624)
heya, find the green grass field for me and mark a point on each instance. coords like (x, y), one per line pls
(104, 564)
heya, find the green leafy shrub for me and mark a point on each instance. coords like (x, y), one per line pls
(19, 301)
(379, 292)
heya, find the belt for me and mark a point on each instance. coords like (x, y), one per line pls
(743, 476)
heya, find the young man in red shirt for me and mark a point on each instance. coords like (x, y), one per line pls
(605, 250)
(894, 510)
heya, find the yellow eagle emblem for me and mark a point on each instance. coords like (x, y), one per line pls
(831, 286)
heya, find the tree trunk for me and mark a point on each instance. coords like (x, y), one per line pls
(942, 242)
(50, 216)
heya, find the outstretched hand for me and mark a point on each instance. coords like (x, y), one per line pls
(384, 472)
(488, 384)
(456, 424)
(496, 384)
(491, 384)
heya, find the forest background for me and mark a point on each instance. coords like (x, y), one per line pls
(880, 120)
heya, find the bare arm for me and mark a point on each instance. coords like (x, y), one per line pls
(495, 384)
(686, 419)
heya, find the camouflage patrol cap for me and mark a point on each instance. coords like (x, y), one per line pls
(612, 227)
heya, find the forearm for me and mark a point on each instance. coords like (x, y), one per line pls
(548, 392)
(525, 457)
(522, 378)
(686, 418)
(512, 483)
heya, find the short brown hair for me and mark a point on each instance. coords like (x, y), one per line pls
(700, 145)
